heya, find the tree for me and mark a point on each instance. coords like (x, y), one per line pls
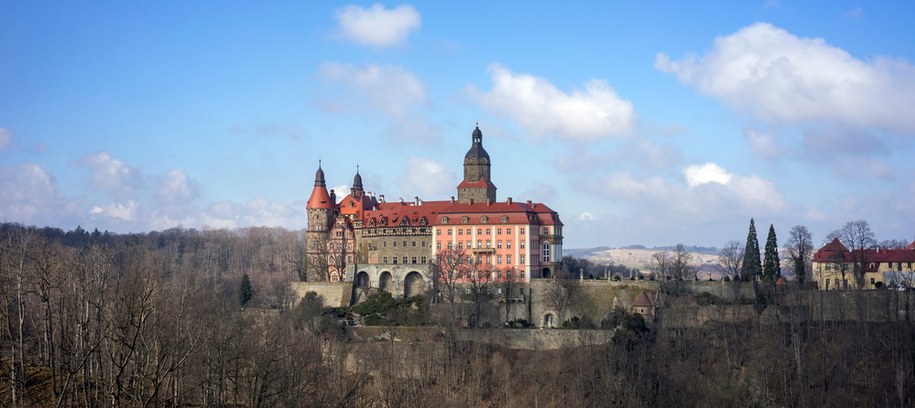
(507, 286)
(680, 268)
(751, 267)
(772, 269)
(858, 237)
(661, 261)
(447, 269)
(731, 258)
(557, 297)
(245, 292)
(800, 246)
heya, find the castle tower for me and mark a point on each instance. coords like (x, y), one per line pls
(357, 184)
(320, 209)
(477, 185)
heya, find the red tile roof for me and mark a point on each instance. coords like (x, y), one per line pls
(476, 184)
(515, 213)
(319, 198)
(643, 300)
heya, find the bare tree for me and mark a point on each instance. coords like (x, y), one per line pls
(730, 257)
(859, 239)
(318, 265)
(557, 297)
(479, 278)
(507, 286)
(680, 267)
(447, 270)
(800, 247)
(661, 263)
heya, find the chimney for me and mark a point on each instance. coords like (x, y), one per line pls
(333, 197)
(415, 200)
(401, 200)
(529, 203)
(381, 198)
(452, 199)
(509, 200)
(471, 201)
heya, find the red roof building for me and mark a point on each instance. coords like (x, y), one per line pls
(835, 266)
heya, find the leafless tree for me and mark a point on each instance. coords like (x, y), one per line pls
(507, 286)
(661, 262)
(557, 297)
(318, 258)
(859, 239)
(730, 257)
(447, 270)
(800, 248)
(680, 267)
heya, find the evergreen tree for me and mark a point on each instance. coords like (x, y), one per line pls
(752, 267)
(772, 269)
(245, 292)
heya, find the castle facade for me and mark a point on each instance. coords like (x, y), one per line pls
(396, 246)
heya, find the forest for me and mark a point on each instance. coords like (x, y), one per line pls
(164, 319)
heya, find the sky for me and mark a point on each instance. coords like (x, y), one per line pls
(648, 123)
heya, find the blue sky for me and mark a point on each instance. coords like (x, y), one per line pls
(650, 123)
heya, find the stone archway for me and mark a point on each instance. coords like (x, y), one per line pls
(362, 280)
(386, 282)
(546, 273)
(413, 284)
(548, 321)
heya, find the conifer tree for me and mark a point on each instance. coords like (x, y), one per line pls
(245, 292)
(752, 267)
(772, 269)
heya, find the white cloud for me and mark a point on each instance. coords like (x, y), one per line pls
(128, 211)
(538, 106)
(112, 175)
(385, 88)
(780, 77)
(586, 216)
(697, 174)
(427, 178)
(29, 195)
(176, 188)
(6, 137)
(764, 144)
(378, 26)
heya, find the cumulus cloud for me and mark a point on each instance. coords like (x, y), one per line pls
(779, 77)
(176, 188)
(378, 26)
(29, 195)
(709, 192)
(697, 174)
(763, 143)
(586, 216)
(128, 211)
(590, 113)
(428, 178)
(111, 175)
(386, 88)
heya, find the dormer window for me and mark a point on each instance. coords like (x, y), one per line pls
(504, 218)
(372, 222)
(404, 222)
(423, 221)
(444, 220)
(484, 219)
(384, 220)
(464, 219)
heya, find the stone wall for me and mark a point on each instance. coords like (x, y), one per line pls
(335, 294)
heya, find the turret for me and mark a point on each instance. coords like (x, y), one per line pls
(477, 185)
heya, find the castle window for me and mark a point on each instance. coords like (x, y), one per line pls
(546, 230)
(521, 261)
(508, 259)
(460, 245)
(484, 219)
(438, 245)
(394, 259)
(479, 231)
(545, 252)
(405, 243)
(499, 260)
(449, 231)
(498, 231)
(404, 259)
(504, 218)
(384, 220)
(460, 231)
(372, 222)
(438, 232)
(450, 246)
(508, 245)
(499, 245)
(444, 220)
(522, 273)
(385, 259)
(414, 243)
(479, 244)
(499, 273)
(413, 259)
(464, 219)
(404, 221)
(423, 260)
(395, 244)
(424, 244)
(488, 231)
(522, 231)
(521, 245)
(384, 244)
(488, 244)
(422, 221)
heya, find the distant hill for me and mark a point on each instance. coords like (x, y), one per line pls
(639, 256)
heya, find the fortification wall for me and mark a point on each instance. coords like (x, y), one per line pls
(335, 294)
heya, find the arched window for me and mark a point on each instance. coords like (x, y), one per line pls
(545, 252)
(372, 222)
(504, 218)
(464, 219)
(405, 221)
(423, 221)
(484, 219)
(444, 220)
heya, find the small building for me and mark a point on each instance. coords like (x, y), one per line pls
(835, 266)
(644, 305)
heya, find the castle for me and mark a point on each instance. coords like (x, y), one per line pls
(393, 246)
